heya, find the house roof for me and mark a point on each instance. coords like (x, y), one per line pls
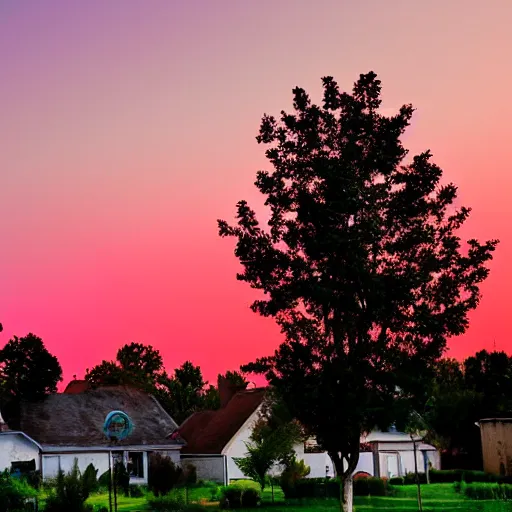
(77, 419)
(388, 437)
(77, 386)
(208, 432)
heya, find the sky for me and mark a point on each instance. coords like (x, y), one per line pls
(128, 127)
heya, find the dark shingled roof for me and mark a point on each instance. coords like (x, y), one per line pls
(208, 432)
(77, 419)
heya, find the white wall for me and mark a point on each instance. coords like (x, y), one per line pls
(16, 448)
(317, 463)
(64, 461)
(365, 463)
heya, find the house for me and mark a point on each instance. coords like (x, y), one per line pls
(496, 435)
(52, 433)
(392, 453)
(215, 438)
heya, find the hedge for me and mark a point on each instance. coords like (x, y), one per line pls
(486, 491)
(330, 488)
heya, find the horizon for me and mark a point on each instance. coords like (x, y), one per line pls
(128, 130)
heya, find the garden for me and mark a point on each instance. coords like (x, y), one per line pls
(173, 489)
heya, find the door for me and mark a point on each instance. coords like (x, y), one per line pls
(391, 465)
(51, 466)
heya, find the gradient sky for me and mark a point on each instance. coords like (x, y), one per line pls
(128, 127)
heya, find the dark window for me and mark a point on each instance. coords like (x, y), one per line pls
(136, 464)
(23, 466)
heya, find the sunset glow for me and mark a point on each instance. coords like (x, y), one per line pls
(128, 127)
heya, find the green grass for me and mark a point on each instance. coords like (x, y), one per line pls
(436, 498)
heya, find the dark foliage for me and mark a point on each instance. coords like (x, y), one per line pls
(240, 494)
(13, 493)
(361, 265)
(122, 478)
(28, 372)
(69, 494)
(90, 480)
(164, 475)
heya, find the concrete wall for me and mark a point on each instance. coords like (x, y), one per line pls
(207, 468)
(497, 446)
(16, 448)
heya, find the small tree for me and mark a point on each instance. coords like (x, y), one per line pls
(69, 494)
(273, 438)
(361, 265)
(164, 475)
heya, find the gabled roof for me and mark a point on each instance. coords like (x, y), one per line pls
(77, 419)
(208, 432)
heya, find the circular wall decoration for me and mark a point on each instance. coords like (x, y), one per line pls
(117, 426)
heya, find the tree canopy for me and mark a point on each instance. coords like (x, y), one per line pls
(136, 364)
(361, 264)
(28, 372)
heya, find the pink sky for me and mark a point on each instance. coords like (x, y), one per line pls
(127, 128)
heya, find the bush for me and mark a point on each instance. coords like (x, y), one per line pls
(68, 495)
(241, 493)
(314, 488)
(189, 476)
(13, 492)
(397, 480)
(172, 504)
(251, 498)
(486, 491)
(102, 508)
(296, 470)
(136, 491)
(164, 475)
(410, 478)
(90, 480)
(370, 487)
(122, 478)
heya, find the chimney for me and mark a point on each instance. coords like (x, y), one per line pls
(227, 390)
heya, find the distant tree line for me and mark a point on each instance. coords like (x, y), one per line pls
(28, 372)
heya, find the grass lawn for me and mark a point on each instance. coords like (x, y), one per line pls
(436, 498)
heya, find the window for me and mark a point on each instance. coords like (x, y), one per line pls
(136, 464)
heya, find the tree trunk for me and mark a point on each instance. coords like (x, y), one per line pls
(420, 506)
(347, 494)
(346, 480)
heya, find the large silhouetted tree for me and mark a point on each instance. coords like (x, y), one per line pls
(361, 264)
(28, 372)
(136, 364)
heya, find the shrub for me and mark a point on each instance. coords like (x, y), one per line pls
(122, 478)
(397, 480)
(13, 492)
(251, 498)
(296, 470)
(164, 475)
(68, 495)
(241, 493)
(172, 504)
(410, 478)
(370, 487)
(136, 491)
(314, 488)
(486, 491)
(102, 508)
(90, 480)
(104, 479)
(189, 476)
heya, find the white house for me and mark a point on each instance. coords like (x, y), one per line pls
(68, 426)
(215, 438)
